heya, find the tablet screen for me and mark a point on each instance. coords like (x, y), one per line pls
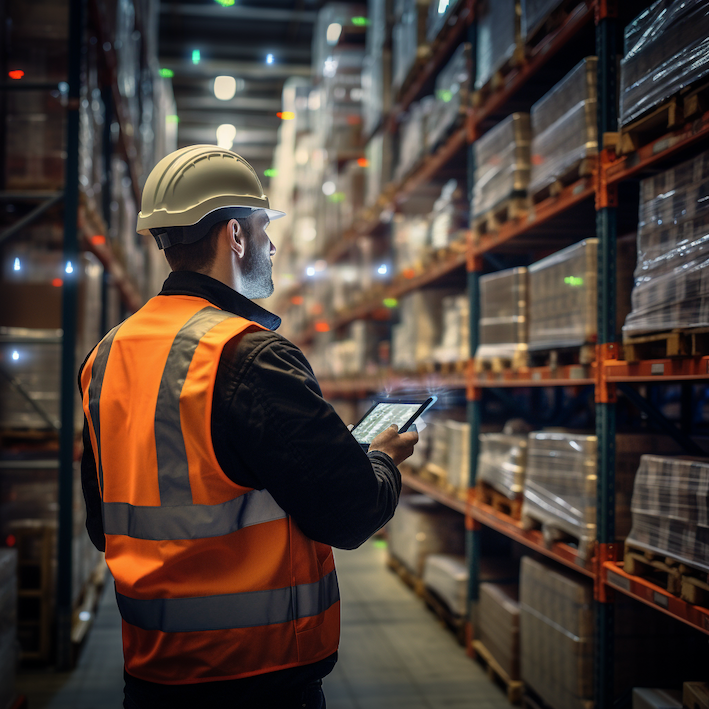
(381, 417)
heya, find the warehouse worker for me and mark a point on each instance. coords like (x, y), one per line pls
(216, 477)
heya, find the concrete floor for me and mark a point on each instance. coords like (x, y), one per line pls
(393, 655)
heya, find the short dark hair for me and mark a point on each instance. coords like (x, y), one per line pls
(198, 256)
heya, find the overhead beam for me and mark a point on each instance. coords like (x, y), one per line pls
(249, 152)
(207, 134)
(217, 67)
(238, 104)
(176, 47)
(237, 12)
(246, 123)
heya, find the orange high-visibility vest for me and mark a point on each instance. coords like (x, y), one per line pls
(214, 580)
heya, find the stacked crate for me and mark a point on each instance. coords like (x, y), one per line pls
(8, 626)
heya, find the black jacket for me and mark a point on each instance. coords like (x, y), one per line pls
(272, 429)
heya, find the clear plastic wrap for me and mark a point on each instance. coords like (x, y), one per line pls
(412, 136)
(556, 634)
(564, 126)
(411, 236)
(407, 35)
(670, 509)
(420, 527)
(562, 310)
(672, 273)
(439, 13)
(502, 462)
(498, 628)
(502, 163)
(455, 340)
(447, 576)
(666, 49)
(376, 97)
(534, 14)
(458, 455)
(498, 37)
(503, 313)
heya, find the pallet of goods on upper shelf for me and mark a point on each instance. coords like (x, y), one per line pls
(564, 132)
(540, 17)
(666, 55)
(670, 299)
(669, 539)
(409, 47)
(376, 68)
(8, 625)
(502, 168)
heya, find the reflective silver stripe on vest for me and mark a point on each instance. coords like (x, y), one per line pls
(173, 473)
(190, 521)
(238, 610)
(98, 371)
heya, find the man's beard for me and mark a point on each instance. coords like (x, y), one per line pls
(256, 274)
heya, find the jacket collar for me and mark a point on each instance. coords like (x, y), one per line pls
(219, 294)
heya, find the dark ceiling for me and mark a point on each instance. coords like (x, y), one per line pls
(235, 41)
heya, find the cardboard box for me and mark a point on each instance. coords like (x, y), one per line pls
(498, 627)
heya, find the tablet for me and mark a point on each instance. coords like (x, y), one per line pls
(384, 413)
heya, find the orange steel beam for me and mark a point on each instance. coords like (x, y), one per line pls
(658, 370)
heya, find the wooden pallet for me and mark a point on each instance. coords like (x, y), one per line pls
(659, 345)
(689, 103)
(582, 355)
(581, 168)
(442, 368)
(405, 574)
(455, 623)
(552, 533)
(506, 211)
(487, 494)
(512, 687)
(497, 364)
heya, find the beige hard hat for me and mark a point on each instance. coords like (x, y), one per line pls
(193, 189)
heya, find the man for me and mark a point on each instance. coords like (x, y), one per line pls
(216, 477)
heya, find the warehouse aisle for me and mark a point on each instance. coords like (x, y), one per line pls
(394, 654)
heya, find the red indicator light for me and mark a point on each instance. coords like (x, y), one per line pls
(322, 327)
(98, 239)
(16, 74)
(11, 540)
(57, 282)
(363, 162)
(297, 300)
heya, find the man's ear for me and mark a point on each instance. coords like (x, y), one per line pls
(235, 233)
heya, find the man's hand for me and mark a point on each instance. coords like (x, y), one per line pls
(398, 446)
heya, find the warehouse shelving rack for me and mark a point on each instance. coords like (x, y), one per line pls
(592, 198)
(84, 229)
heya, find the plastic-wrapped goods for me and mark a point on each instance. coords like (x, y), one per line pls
(498, 37)
(646, 698)
(452, 93)
(671, 277)
(8, 625)
(376, 94)
(332, 13)
(377, 29)
(408, 37)
(447, 576)
(455, 340)
(439, 14)
(411, 236)
(449, 215)
(458, 455)
(498, 627)
(351, 183)
(503, 313)
(563, 302)
(666, 49)
(670, 509)
(412, 136)
(564, 126)
(420, 527)
(502, 462)
(378, 154)
(502, 163)
(534, 14)
(437, 465)
(556, 634)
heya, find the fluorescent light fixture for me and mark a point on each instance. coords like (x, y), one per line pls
(225, 136)
(382, 270)
(225, 3)
(17, 265)
(69, 268)
(310, 271)
(333, 33)
(15, 355)
(443, 6)
(328, 188)
(196, 56)
(224, 87)
(269, 59)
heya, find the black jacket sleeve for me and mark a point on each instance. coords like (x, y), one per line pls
(272, 429)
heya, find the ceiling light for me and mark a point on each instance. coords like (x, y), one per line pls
(310, 271)
(443, 6)
(333, 33)
(382, 270)
(269, 59)
(225, 3)
(69, 268)
(224, 87)
(15, 355)
(225, 136)
(328, 188)
(196, 56)
(16, 266)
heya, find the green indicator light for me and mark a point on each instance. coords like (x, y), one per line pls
(390, 302)
(196, 56)
(337, 197)
(573, 281)
(271, 172)
(360, 21)
(380, 544)
(172, 119)
(167, 73)
(225, 3)
(445, 95)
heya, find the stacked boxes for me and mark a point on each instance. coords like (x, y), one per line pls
(420, 527)
(670, 509)
(534, 14)
(412, 136)
(458, 455)
(455, 340)
(671, 282)
(556, 628)
(502, 462)
(498, 627)
(447, 576)
(502, 163)
(666, 49)
(498, 37)
(564, 130)
(503, 313)
(8, 625)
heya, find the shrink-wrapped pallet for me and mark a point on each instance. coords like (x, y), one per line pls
(458, 455)
(411, 237)
(502, 462)
(498, 626)
(408, 38)
(666, 48)
(502, 163)
(564, 127)
(671, 277)
(498, 37)
(8, 626)
(503, 313)
(420, 527)
(556, 634)
(455, 340)
(452, 94)
(412, 136)
(670, 509)
(447, 576)
(534, 15)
